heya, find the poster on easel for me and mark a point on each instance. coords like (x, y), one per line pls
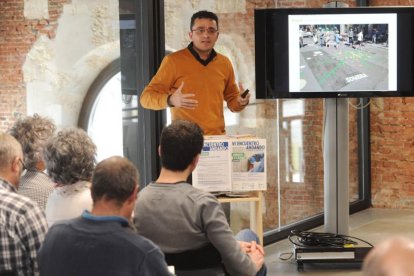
(213, 170)
(248, 164)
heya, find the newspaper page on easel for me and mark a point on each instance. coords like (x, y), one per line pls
(213, 172)
(249, 164)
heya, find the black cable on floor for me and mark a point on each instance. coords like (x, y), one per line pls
(316, 239)
(285, 256)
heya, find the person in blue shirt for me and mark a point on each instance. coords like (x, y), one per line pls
(103, 242)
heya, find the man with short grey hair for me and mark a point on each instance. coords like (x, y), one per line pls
(22, 223)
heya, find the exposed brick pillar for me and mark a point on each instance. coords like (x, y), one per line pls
(17, 36)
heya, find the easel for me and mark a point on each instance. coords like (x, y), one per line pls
(256, 216)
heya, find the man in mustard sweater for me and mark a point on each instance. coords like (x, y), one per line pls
(196, 80)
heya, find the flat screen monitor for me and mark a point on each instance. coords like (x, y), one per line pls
(334, 52)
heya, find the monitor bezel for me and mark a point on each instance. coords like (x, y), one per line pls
(272, 80)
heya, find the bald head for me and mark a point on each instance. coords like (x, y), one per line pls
(392, 257)
(10, 155)
(114, 178)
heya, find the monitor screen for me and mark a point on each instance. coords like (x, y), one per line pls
(334, 52)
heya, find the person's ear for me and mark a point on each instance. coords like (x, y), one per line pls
(15, 166)
(190, 35)
(131, 199)
(159, 151)
(195, 162)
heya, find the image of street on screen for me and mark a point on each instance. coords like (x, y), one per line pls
(342, 52)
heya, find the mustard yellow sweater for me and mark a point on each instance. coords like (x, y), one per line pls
(212, 84)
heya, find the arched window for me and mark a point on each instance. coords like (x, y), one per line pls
(106, 113)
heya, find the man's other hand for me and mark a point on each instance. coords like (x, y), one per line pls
(256, 255)
(178, 99)
(243, 101)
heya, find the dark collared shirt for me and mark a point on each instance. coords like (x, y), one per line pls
(213, 54)
(22, 230)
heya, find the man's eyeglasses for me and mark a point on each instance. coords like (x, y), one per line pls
(24, 168)
(201, 31)
(23, 165)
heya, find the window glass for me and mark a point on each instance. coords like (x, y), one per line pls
(113, 119)
(293, 129)
(105, 122)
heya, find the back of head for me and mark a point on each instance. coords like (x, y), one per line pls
(70, 156)
(203, 14)
(180, 143)
(32, 133)
(392, 257)
(114, 178)
(10, 148)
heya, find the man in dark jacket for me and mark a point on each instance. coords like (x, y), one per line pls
(102, 242)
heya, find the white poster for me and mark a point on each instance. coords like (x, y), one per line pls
(249, 164)
(214, 167)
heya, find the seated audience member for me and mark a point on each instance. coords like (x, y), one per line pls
(392, 257)
(32, 133)
(70, 159)
(102, 242)
(189, 224)
(22, 223)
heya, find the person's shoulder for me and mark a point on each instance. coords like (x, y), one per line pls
(178, 54)
(141, 243)
(63, 225)
(146, 189)
(200, 196)
(222, 57)
(223, 60)
(21, 203)
(22, 209)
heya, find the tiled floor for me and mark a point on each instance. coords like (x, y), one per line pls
(372, 225)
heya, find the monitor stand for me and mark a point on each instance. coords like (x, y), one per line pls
(336, 183)
(336, 189)
(336, 166)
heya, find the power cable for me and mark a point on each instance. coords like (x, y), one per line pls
(316, 239)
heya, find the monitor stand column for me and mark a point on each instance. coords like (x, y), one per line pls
(336, 166)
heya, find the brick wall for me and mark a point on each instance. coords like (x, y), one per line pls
(392, 152)
(392, 145)
(17, 36)
(391, 2)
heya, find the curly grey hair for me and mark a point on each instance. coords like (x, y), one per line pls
(32, 133)
(70, 156)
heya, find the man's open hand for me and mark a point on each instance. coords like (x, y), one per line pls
(178, 99)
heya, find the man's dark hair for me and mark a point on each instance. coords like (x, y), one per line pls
(180, 143)
(203, 14)
(114, 178)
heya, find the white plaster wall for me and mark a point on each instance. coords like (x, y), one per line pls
(59, 71)
(36, 9)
